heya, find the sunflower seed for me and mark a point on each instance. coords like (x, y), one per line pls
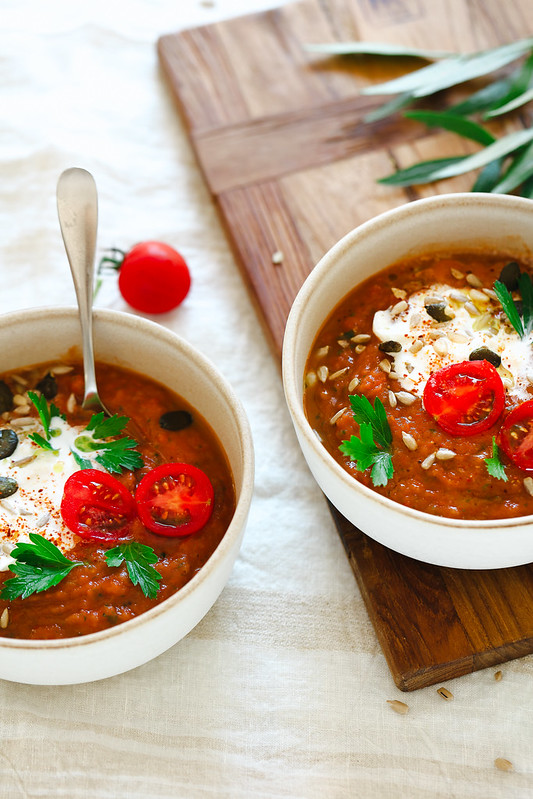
(401, 294)
(393, 402)
(503, 764)
(337, 415)
(441, 346)
(4, 619)
(471, 308)
(399, 308)
(352, 385)
(407, 384)
(71, 402)
(385, 366)
(343, 343)
(457, 274)
(409, 441)
(458, 296)
(491, 293)
(322, 373)
(414, 320)
(339, 373)
(444, 693)
(405, 397)
(428, 462)
(480, 296)
(361, 338)
(360, 348)
(528, 485)
(310, 380)
(61, 369)
(473, 280)
(443, 454)
(458, 337)
(322, 352)
(416, 346)
(399, 707)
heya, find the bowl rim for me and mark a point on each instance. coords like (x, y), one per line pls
(290, 344)
(235, 527)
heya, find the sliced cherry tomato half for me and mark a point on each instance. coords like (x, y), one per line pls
(96, 506)
(516, 436)
(175, 499)
(465, 398)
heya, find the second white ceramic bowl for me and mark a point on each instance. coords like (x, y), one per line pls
(35, 336)
(457, 222)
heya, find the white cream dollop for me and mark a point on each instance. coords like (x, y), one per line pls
(473, 324)
(41, 476)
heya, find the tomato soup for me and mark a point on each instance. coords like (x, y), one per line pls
(100, 592)
(437, 369)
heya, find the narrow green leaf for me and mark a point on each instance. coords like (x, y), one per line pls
(527, 188)
(489, 176)
(519, 171)
(419, 173)
(387, 109)
(454, 123)
(501, 147)
(509, 306)
(526, 290)
(375, 48)
(452, 71)
(516, 102)
(487, 97)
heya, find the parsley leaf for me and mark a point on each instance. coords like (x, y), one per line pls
(112, 455)
(521, 320)
(372, 448)
(138, 559)
(38, 565)
(46, 414)
(494, 465)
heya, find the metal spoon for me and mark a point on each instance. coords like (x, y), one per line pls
(77, 208)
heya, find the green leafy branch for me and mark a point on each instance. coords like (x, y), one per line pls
(506, 163)
(373, 447)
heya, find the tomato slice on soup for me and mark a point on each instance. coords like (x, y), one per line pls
(175, 499)
(96, 506)
(516, 436)
(465, 398)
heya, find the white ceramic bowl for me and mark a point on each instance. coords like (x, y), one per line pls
(34, 336)
(446, 222)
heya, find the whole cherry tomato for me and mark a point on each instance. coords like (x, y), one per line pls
(96, 506)
(465, 398)
(175, 499)
(152, 277)
(516, 436)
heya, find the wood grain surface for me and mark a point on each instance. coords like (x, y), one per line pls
(280, 137)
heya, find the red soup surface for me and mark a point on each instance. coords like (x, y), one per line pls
(96, 595)
(432, 340)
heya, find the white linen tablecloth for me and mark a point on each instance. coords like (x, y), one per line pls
(282, 689)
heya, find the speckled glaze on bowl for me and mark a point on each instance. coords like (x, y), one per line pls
(446, 222)
(33, 336)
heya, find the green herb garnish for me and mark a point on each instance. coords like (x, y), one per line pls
(46, 414)
(113, 455)
(494, 465)
(139, 559)
(520, 318)
(373, 446)
(39, 565)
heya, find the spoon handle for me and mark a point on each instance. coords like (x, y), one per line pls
(77, 207)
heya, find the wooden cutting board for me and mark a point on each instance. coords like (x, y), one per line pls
(291, 165)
